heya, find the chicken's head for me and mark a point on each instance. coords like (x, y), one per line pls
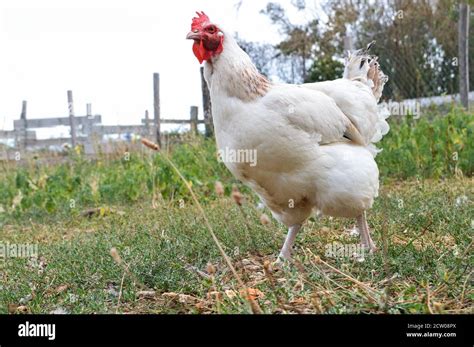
(208, 38)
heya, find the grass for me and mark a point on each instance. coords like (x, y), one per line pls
(77, 210)
(425, 252)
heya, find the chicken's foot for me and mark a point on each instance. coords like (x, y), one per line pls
(285, 253)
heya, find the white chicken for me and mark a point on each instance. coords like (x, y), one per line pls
(313, 142)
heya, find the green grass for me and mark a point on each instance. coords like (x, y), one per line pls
(427, 240)
(422, 223)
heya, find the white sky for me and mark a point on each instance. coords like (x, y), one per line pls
(106, 52)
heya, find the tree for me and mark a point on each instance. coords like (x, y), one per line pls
(325, 69)
(299, 41)
(416, 41)
(308, 49)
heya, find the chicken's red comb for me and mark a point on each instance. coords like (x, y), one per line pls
(200, 21)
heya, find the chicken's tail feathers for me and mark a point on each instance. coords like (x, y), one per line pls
(381, 129)
(364, 67)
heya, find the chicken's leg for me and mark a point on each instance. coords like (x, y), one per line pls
(285, 252)
(365, 233)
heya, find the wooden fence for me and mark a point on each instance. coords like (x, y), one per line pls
(88, 131)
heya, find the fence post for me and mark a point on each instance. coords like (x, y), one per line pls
(194, 119)
(147, 123)
(463, 44)
(23, 110)
(206, 105)
(156, 105)
(87, 130)
(21, 134)
(72, 122)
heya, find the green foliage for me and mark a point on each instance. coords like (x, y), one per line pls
(325, 69)
(430, 147)
(81, 183)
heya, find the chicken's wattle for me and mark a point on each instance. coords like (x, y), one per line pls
(204, 51)
(200, 52)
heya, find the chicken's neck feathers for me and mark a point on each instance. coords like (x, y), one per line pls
(233, 73)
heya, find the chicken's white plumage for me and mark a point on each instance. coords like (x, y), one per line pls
(313, 141)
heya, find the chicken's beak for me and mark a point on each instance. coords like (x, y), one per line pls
(193, 36)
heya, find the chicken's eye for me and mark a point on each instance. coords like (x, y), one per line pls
(211, 29)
